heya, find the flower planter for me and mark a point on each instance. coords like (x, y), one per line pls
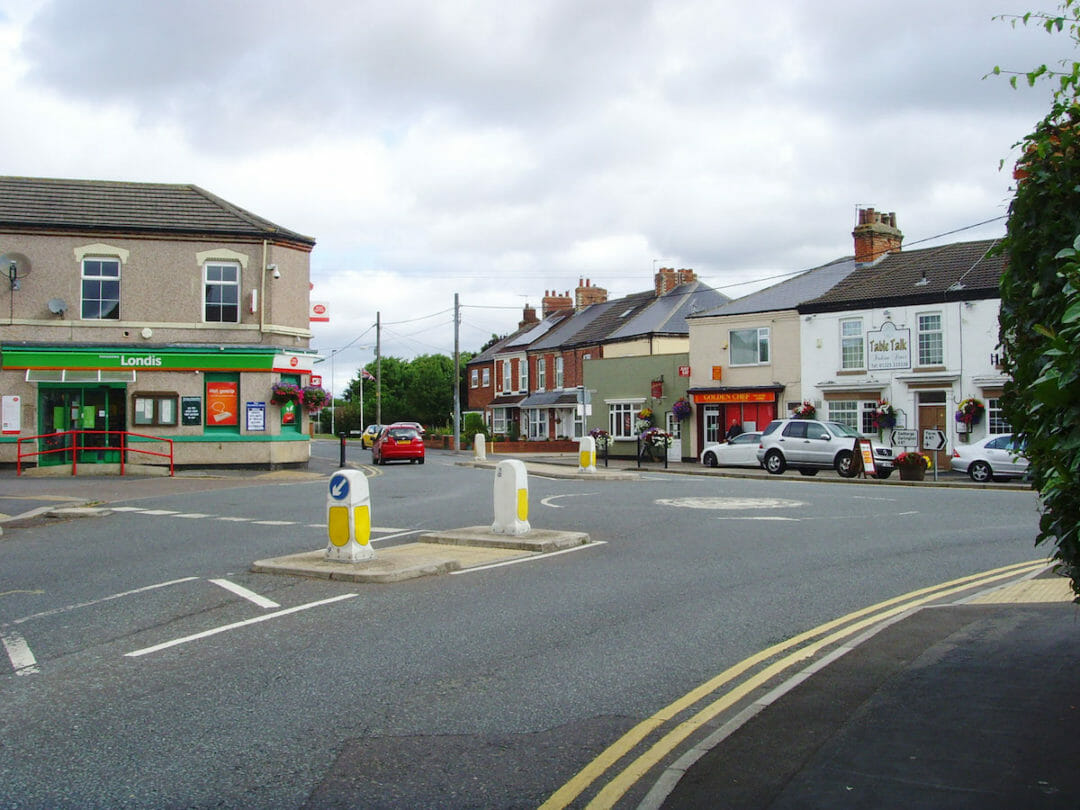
(912, 472)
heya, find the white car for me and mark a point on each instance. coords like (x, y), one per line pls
(738, 452)
(997, 458)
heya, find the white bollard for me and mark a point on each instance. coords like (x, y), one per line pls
(479, 447)
(511, 498)
(587, 454)
(348, 517)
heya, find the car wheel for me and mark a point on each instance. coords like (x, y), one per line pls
(710, 459)
(980, 472)
(419, 461)
(843, 464)
(808, 471)
(774, 462)
(882, 474)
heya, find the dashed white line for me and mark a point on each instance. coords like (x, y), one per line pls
(274, 522)
(235, 625)
(537, 558)
(240, 590)
(67, 608)
(18, 651)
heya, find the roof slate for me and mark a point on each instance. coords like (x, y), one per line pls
(35, 203)
(955, 272)
(790, 293)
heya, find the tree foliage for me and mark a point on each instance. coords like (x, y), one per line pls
(1040, 301)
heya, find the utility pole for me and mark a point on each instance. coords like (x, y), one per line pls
(457, 376)
(378, 368)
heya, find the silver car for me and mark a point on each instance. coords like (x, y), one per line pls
(997, 458)
(810, 445)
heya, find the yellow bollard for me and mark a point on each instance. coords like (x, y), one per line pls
(587, 454)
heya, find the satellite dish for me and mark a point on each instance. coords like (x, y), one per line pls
(14, 265)
(57, 306)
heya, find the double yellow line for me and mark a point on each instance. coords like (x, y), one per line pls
(815, 640)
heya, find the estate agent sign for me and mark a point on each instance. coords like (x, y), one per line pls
(888, 348)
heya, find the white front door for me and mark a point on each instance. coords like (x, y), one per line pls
(674, 451)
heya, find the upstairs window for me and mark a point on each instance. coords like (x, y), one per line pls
(541, 373)
(222, 292)
(851, 344)
(485, 377)
(749, 347)
(931, 340)
(558, 372)
(506, 376)
(101, 289)
(474, 378)
(523, 374)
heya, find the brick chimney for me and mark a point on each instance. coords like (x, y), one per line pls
(668, 278)
(553, 302)
(586, 295)
(875, 235)
(528, 316)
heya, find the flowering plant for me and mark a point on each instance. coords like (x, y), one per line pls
(602, 437)
(655, 437)
(915, 460)
(313, 397)
(884, 415)
(970, 411)
(644, 420)
(681, 408)
(805, 411)
(284, 392)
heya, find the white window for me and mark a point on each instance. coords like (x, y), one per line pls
(498, 420)
(523, 375)
(541, 373)
(854, 414)
(485, 377)
(558, 372)
(222, 284)
(995, 418)
(474, 378)
(621, 419)
(931, 339)
(851, 344)
(749, 347)
(101, 289)
(537, 423)
(506, 375)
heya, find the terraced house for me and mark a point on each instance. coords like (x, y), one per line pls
(149, 317)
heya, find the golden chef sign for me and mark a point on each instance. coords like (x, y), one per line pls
(727, 397)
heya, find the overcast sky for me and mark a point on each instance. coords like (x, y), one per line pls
(500, 149)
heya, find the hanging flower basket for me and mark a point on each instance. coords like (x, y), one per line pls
(644, 420)
(601, 436)
(805, 411)
(282, 393)
(313, 397)
(884, 416)
(681, 408)
(970, 412)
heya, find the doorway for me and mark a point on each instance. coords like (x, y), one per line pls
(90, 408)
(932, 417)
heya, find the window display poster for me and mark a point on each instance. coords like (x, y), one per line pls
(288, 413)
(191, 410)
(10, 414)
(256, 415)
(222, 403)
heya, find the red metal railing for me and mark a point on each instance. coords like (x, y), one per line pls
(74, 442)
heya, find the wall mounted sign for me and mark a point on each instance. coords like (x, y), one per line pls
(191, 410)
(888, 348)
(734, 396)
(222, 403)
(10, 414)
(255, 416)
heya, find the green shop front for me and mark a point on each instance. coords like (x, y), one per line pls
(208, 406)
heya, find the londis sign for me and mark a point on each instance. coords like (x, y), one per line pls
(224, 359)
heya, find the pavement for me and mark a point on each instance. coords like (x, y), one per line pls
(971, 703)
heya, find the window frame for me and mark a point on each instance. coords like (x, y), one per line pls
(221, 285)
(995, 417)
(506, 375)
(523, 375)
(474, 378)
(558, 373)
(762, 337)
(541, 373)
(485, 377)
(930, 342)
(850, 341)
(621, 422)
(100, 279)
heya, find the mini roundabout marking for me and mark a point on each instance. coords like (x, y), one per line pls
(730, 503)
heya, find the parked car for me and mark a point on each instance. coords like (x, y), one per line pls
(738, 452)
(997, 458)
(367, 438)
(398, 442)
(810, 445)
(415, 426)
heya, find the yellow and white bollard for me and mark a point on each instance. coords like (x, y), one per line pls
(348, 518)
(587, 454)
(511, 498)
(479, 444)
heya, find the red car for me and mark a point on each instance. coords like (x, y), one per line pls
(396, 442)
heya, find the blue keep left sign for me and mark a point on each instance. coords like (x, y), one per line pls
(339, 487)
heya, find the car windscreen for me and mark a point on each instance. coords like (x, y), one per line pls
(842, 430)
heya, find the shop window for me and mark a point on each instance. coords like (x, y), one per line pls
(155, 409)
(621, 419)
(222, 403)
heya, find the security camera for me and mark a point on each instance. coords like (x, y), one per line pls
(274, 270)
(277, 273)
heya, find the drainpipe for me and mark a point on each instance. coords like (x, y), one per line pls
(262, 293)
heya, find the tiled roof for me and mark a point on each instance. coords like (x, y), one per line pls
(790, 293)
(34, 203)
(956, 272)
(668, 313)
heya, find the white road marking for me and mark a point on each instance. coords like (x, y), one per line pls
(92, 602)
(760, 517)
(548, 500)
(192, 515)
(159, 512)
(274, 522)
(520, 560)
(22, 660)
(235, 519)
(730, 503)
(240, 590)
(127, 509)
(391, 536)
(235, 625)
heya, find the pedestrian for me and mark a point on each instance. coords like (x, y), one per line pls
(734, 430)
